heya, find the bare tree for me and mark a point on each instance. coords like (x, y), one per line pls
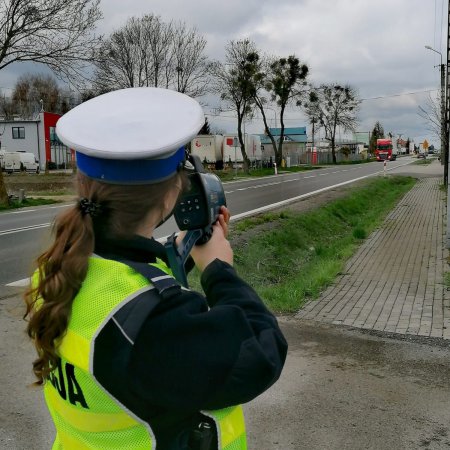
(7, 107)
(56, 33)
(189, 65)
(121, 61)
(34, 92)
(150, 52)
(431, 112)
(232, 80)
(333, 106)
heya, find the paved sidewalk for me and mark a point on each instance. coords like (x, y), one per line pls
(394, 283)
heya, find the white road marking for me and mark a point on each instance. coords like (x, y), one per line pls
(19, 230)
(20, 283)
(23, 211)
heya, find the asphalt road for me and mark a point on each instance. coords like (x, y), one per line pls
(24, 233)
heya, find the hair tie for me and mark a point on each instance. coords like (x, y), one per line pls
(89, 207)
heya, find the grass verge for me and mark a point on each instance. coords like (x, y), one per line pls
(447, 279)
(423, 162)
(28, 202)
(290, 257)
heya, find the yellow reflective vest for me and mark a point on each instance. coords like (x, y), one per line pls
(86, 416)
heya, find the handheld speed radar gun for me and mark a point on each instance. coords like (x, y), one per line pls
(196, 212)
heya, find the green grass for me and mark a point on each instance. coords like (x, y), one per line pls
(300, 254)
(347, 162)
(53, 193)
(27, 202)
(447, 279)
(424, 161)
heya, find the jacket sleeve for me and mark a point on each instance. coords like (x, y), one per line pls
(187, 357)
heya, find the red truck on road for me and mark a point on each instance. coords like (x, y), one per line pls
(385, 150)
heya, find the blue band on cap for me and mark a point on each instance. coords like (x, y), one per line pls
(130, 171)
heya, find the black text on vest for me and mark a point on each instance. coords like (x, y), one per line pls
(64, 375)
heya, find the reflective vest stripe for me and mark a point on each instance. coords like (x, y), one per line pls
(231, 425)
(75, 348)
(66, 441)
(86, 421)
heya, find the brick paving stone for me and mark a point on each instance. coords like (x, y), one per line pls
(394, 282)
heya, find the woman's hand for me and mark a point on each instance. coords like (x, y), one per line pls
(218, 246)
(224, 219)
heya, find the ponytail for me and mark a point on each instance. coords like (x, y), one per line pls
(61, 271)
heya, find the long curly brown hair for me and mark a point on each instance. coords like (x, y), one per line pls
(62, 268)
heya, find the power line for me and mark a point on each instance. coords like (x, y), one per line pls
(399, 95)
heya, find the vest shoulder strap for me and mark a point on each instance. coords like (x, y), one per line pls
(165, 284)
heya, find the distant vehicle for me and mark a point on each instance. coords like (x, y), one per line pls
(20, 162)
(208, 147)
(218, 149)
(422, 155)
(385, 150)
(232, 154)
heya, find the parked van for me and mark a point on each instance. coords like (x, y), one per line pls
(20, 162)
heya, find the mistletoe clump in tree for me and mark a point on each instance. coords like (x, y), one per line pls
(333, 106)
(285, 83)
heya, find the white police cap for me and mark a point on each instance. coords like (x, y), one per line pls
(131, 136)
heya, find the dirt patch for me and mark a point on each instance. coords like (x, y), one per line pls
(39, 183)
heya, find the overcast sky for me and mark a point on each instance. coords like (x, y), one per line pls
(378, 47)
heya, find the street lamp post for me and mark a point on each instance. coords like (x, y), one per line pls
(444, 138)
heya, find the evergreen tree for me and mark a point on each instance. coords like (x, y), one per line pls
(205, 128)
(377, 133)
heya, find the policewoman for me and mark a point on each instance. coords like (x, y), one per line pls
(127, 357)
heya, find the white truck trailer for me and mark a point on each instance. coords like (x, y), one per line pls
(207, 147)
(232, 153)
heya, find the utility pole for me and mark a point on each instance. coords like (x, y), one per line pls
(447, 121)
(446, 99)
(444, 132)
(444, 126)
